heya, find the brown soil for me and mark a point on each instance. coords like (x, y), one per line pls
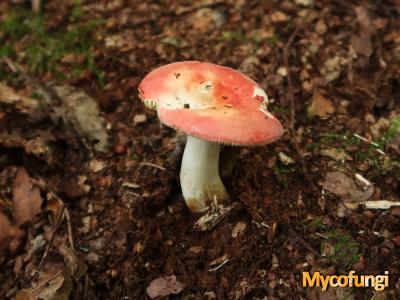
(141, 232)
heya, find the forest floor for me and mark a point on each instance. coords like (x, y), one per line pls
(103, 220)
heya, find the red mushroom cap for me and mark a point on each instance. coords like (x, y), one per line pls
(210, 102)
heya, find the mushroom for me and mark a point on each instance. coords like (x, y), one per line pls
(213, 105)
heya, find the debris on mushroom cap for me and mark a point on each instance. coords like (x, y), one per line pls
(210, 102)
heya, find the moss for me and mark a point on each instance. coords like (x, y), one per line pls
(43, 50)
(343, 249)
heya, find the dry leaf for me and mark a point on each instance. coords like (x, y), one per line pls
(396, 240)
(213, 216)
(164, 286)
(6, 228)
(75, 267)
(320, 106)
(83, 114)
(48, 287)
(336, 154)
(10, 97)
(26, 198)
(239, 228)
(362, 45)
(278, 17)
(343, 186)
(205, 19)
(38, 146)
(218, 260)
(7, 232)
(366, 26)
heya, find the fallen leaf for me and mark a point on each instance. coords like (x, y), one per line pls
(25, 104)
(7, 232)
(343, 186)
(320, 27)
(320, 106)
(96, 165)
(6, 228)
(218, 260)
(205, 19)
(75, 267)
(49, 286)
(239, 228)
(164, 286)
(139, 119)
(213, 216)
(75, 187)
(278, 17)
(395, 211)
(73, 58)
(379, 296)
(336, 154)
(83, 114)
(363, 19)
(196, 250)
(331, 69)
(396, 240)
(26, 198)
(286, 160)
(380, 204)
(38, 146)
(334, 293)
(362, 45)
(304, 2)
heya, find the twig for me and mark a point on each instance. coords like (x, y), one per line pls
(50, 242)
(149, 164)
(198, 6)
(36, 5)
(369, 142)
(51, 102)
(219, 266)
(290, 89)
(174, 158)
(292, 100)
(86, 286)
(306, 245)
(121, 61)
(321, 235)
(44, 282)
(70, 236)
(51, 98)
(381, 215)
(42, 184)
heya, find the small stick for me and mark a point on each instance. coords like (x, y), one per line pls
(51, 102)
(370, 142)
(48, 280)
(70, 236)
(291, 92)
(50, 242)
(303, 242)
(42, 184)
(321, 235)
(36, 5)
(86, 286)
(219, 266)
(175, 157)
(48, 94)
(149, 164)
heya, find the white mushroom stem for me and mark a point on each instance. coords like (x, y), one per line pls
(200, 179)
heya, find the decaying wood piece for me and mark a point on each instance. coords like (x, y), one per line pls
(215, 215)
